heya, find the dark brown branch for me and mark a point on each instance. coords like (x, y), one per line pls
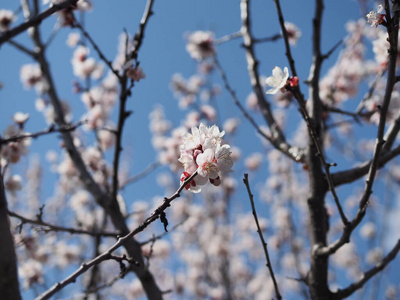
(121, 241)
(124, 94)
(9, 284)
(35, 20)
(160, 236)
(22, 48)
(285, 38)
(329, 53)
(356, 116)
(259, 231)
(346, 292)
(348, 176)
(47, 227)
(269, 39)
(138, 39)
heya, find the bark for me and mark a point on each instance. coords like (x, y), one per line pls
(318, 274)
(9, 285)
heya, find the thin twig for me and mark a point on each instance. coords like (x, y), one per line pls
(150, 168)
(160, 236)
(22, 48)
(259, 231)
(346, 292)
(138, 39)
(124, 94)
(273, 38)
(47, 227)
(51, 129)
(329, 53)
(96, 48)
(227, 38)
(371, 91)
(121, 241)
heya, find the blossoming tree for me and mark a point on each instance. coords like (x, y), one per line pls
(283, 186)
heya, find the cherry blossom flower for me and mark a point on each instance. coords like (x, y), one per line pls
(135, 73)
(31, 76)
(20, 118)
(200, 45)
(223, 159)
(83, 65)
(11, 152)
(73, 39)
(254, 161)
(230, 125)
(13, 184)
(293, 32)
(207, 165)
(84, 5)
(375, 18)
(31, 272)
(6, 18)
(278, 80)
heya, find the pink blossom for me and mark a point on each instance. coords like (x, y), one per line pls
(200, 44)
(375, 18)
(293, 32)
(6, 18)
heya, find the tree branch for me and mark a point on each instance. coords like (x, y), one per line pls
(9, 284)
(259, 231)
(47, 227)
(35, 20)
(51, 129)
(346, 292)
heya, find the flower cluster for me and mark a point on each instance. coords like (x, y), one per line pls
(203, 151)
(375, 17)
(32, 77)
(12, 151)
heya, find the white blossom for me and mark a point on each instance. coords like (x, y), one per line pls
(294, 33)
(278, 80)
